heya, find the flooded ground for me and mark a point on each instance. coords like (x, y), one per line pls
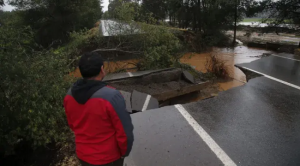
(240, 54)
(269, 37)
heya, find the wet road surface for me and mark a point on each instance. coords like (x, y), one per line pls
(164, 138)
(278, 67)
(254, 124)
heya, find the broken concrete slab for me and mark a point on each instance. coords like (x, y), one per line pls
(127, 75)
(116, 76)
(188, 76)
(161, 85)
(142, 101)
(138, 100)
(153, 104)
(127, 97)
(182, 91)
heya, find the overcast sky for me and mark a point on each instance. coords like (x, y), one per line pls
(104, 4)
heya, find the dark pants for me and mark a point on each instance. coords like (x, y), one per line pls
(115, 163)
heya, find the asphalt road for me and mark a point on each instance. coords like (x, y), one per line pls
(164, 138)
(254, 124)
(279, 67)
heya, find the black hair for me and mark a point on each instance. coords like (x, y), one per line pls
(90, 64)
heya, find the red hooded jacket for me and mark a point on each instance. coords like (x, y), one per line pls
(98, 117)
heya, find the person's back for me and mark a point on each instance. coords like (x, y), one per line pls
(97, 115)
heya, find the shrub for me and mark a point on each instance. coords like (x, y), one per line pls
(203, 41)
(53, 20)
(216, 66)
(153, 46)
(161, 47)
(33, 84)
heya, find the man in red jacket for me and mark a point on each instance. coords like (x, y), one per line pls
(98, 117)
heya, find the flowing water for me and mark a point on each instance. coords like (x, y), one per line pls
(240, 54)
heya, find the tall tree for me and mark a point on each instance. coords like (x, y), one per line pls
(52, 20)
(157, 7)
(283, 11)
(124, 10)
(242, 8)
(235, 21)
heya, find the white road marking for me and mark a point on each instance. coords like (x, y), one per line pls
(225, 159)
(145, 106)
(285, 57)
(130, 74)
(273, 78)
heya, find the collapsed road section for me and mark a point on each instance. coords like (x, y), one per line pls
(254, 124)
(149, 89)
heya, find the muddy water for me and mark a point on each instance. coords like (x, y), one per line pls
(240, 54)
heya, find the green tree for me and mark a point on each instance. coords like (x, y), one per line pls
(52, 20)
(283, 11)
(158, 8)
(33, 84)
(128, 11)
(242, 8)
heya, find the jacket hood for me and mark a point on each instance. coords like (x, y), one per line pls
(83, 89)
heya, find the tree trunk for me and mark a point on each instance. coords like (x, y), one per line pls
(194, 19)
(235, 22)
(199, 16)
